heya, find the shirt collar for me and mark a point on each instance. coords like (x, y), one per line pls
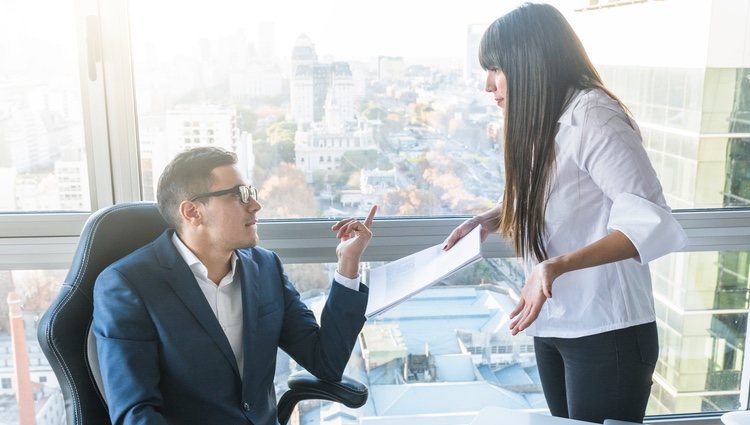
(196, 266)
(568, 116)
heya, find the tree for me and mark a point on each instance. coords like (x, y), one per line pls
(276, 148)
(265, 161)
(247, 119)
(393, 123)
(373, 111)
(286, 194)
(282, 131)
(281, 138)
(37, 288)
(411, 201)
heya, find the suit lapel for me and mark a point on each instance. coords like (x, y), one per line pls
(183, 283)
(250, 280)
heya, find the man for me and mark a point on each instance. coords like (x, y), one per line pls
(188, 326)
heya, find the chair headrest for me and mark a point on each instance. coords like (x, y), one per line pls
(110, 234)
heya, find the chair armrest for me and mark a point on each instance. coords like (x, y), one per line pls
(304, 386)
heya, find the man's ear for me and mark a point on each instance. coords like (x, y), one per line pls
(190, 213)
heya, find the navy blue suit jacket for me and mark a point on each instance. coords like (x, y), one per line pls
(164, 358)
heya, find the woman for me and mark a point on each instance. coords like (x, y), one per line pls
(584, 208)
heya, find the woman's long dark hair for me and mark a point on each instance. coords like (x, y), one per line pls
(544, 62)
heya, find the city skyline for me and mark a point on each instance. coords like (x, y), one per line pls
(441, 31)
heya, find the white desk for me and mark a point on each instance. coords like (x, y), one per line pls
(741, 417)
(501, 416)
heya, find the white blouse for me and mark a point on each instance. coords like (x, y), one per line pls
(603, 182)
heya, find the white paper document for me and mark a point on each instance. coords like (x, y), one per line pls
(398, 280)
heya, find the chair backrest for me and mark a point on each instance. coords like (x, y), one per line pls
(108, 235)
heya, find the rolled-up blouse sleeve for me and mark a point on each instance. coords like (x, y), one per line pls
(651, 228)
(613, 155)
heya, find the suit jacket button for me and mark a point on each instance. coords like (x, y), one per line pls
(246, 406)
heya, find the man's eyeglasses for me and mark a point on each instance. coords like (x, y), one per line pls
(244, 192)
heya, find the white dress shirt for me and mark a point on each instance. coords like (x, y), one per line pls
(225, 299)
(603, 182)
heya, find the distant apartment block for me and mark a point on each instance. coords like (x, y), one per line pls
(319, 90)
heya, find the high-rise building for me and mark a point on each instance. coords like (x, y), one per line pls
(72, 180)
(267, 41)
(472, 70)
(316, 87)
(189, 126)
(687, 83)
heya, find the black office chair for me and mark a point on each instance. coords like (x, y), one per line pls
(65, 329)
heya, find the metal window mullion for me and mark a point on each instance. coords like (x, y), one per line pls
(93, 99)
(311, 241)
(121, 119)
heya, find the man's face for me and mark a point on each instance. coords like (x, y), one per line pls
(227, 222)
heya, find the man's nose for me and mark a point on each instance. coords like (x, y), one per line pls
(253, 205)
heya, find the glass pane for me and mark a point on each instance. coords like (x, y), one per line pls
(452, 341)
(449, 342)
(42, 157)
(689, 93)
(328, 112)
(32, 290)
(702, 310)
(330, 115)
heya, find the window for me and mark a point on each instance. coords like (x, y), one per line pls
(701, 322)
(409, 128)
(324, 97)
(701, 309)
(42, 150)
(418, 137)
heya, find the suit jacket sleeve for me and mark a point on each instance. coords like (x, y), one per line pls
(324, 349)
(127, 348)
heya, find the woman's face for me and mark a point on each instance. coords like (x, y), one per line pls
(497, 85)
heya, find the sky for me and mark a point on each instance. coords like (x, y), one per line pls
(344, 29)
(340, 29)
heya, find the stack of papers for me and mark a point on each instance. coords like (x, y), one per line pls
(398, 280)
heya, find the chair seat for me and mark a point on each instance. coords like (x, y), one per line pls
(736, 418)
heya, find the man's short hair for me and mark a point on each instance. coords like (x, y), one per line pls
(187, 175)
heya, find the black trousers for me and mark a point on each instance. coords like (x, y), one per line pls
(598, 377)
